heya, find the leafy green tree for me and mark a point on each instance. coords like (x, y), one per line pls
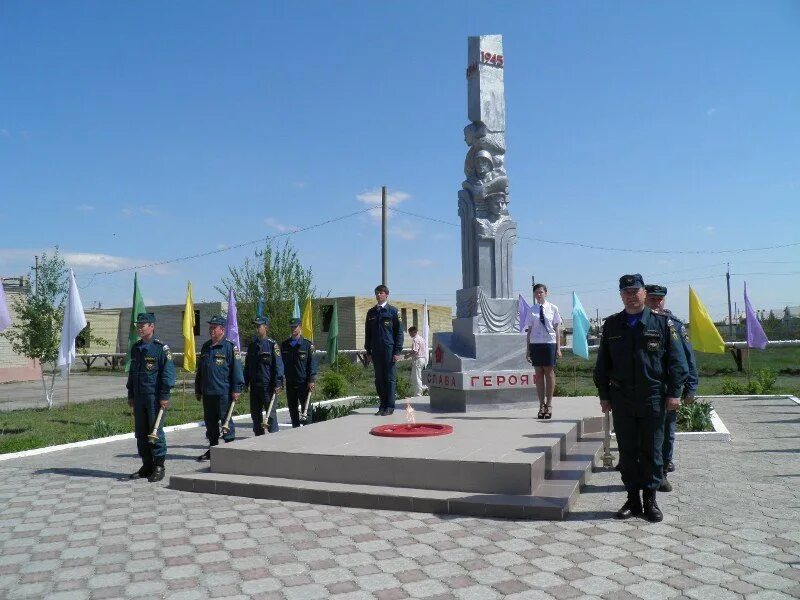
(278, 276)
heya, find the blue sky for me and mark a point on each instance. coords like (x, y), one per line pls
(132, 133)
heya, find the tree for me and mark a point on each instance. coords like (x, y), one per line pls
(277, 276)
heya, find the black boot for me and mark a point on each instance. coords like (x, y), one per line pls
(631, 508)
(204, 456)
(146, 469)
(651, 511)
(158, 470)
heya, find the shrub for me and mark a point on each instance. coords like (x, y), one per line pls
(334, 411)
(101, 429)
(695, 416)
(731, 387)
(403, 388)
(347, 368)
(766, 379)
(333, 385)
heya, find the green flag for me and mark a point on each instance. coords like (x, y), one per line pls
(136, 307)
(333, 334)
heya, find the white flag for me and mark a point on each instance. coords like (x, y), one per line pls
(74, 323)
(5, 318)
(426, 330)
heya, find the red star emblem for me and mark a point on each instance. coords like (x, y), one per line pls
(438, 354)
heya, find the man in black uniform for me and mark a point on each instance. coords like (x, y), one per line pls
(150, 379)
(640, 372)
(218, 382)
(656, 295)
(383, 341)
(263, 373)
(300, 371)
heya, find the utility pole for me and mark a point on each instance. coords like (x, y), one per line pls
(36, 275)
(533, 285)
(730, 313)
(384, 274)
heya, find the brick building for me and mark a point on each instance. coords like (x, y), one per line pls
(13, 366)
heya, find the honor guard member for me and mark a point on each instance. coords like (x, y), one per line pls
(384, 344)
(301, 371)
(150, 379)
(218, 382)
(656, 296)
(263, 374)
(640, 372)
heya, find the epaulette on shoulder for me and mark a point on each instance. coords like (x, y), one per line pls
(660, 313)
(158, 341)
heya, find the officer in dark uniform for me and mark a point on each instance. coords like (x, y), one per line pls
(219, 380)
(150, 379)
(656, 295)
(640, 372)
(263, 374)
(301, 372)
(383, 341)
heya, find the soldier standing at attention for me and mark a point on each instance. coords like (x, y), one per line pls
(263, 374)
(150, 379)
(640, 372)
(383, 341)
(301, 371)
(219, 380)
(656, 296)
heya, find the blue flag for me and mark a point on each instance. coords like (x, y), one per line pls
(260, 311)
(296, 310)
(580, 329)
(523, 309)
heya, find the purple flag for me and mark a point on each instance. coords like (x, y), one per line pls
(756, 338)
(232, 332)
(524, 309)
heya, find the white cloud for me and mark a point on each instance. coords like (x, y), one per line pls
(278, 226)
(422, 263)
(141, 210)
(108, 262)
(404, 232)
(85, 208)
(710, 112)
(373, 197)
(127, 212)
(710, 228)
(300, 184)
(5, 133)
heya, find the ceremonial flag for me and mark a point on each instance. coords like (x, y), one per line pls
(580, 328)
(5, 318)
(189, 351)
(260, 311)
(524, 309)
(296, 309)
(426, 328)
(756, 338)
(137, 306)
(702, 332)
(232, 331)
(74, 323)
(333, 334)
(307, 325)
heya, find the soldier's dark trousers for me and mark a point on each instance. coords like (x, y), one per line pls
(259, 401)
(215, 408)
(639, 426)
(296, 395)
(145, 411)
(385, 378)
(670, 425)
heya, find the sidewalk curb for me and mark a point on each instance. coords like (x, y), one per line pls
(130, 436)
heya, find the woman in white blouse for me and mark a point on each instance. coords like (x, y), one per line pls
(544, 346)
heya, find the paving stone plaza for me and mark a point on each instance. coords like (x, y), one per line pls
(72, 526)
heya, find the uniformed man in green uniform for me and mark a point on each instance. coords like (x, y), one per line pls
(150, 379)
(218, 382)
(640, 372)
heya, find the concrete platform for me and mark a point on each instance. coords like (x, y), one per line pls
(502, 463)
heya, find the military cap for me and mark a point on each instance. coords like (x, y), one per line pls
(656, 290)
(293, 322)
(631, 281)
(217, 320)
(261, 321)
(146, 317)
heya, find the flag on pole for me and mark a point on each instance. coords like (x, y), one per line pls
(5, 318)
(137, 306)
(702, 332)
(333, 334)
(189, 351)
(524, 309)
(74, 323)
(307, 324)
(232, 332)
(296, 309)
(426, 327)
(580, 328)
(260, 310)
(756, 338)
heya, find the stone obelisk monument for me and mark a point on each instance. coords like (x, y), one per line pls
(482, 362)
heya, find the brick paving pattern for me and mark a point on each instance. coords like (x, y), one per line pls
(71, 528)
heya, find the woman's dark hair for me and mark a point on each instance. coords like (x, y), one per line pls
(539, 285)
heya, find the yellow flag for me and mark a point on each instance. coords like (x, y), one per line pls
(307, 324)
(703, 333)
(189, 353)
